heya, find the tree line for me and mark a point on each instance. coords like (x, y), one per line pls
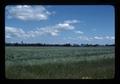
(66, 44)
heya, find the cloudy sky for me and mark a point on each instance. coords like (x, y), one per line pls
(60, 24)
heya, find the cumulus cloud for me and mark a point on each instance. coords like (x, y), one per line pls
(28, 12)
(55, 29)
(12, 31)
(51, 30)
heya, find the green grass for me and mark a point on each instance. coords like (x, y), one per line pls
(59, 62)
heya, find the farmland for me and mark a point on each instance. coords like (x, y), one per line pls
(59, 62)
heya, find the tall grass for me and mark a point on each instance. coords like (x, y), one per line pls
(59, 62)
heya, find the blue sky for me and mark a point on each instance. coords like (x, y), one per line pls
(93, 24)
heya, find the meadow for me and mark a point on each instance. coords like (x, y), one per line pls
(59, 62)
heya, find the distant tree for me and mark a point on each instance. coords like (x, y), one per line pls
(109, 44)
(76, 45)
(68, 44)
(21, 42)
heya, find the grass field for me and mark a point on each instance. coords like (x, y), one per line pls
(59, 62)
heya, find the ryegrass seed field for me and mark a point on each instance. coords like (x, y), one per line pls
(59, 62)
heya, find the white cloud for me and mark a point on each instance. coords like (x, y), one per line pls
(51, 30)
(64, 26)
(48, 30)
(71, 21)
(98, 37)
(11, 32)
(78, 32)
(110, 37)
(8, 36)
(55, 29)
(28, 12)
(85, 38)
(18, 32)
(104, 37)
(54, 33)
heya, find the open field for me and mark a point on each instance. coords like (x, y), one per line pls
(59, 62)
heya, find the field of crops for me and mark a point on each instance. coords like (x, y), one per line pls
(59, 62)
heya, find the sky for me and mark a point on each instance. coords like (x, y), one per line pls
(59, 24)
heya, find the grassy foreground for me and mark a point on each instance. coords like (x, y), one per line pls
(59, 63)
